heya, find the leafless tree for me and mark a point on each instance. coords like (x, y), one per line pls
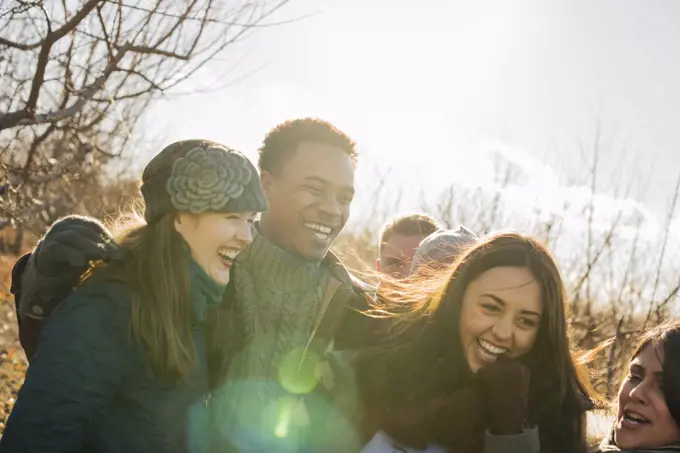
(75, 77)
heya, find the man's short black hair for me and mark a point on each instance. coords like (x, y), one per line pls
(409, 225)
(282, 141)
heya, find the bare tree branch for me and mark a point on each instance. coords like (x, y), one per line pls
(15, 118)
(78, 75)
(16, 45)
(669, 220)
(83, 97)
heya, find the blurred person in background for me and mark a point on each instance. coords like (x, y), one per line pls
(440, 249)
(399, 240)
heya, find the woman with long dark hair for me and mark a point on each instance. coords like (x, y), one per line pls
(648, 403)
(479, 358)
(121, 363)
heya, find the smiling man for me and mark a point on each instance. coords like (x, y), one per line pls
(294, 302)
(307, 171)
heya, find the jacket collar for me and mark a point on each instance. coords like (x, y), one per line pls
(607, 445)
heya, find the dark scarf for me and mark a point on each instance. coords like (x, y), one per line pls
(205, 292)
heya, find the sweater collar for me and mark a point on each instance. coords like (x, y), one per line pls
(276, 267)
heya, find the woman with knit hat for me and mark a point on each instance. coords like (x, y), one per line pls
(120, 366)
(441, 248)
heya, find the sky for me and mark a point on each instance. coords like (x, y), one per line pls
(437, 92)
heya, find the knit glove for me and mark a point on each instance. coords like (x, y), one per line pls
(459, 420)
(71, 244)
(451, 420)
(60, 258)
(505, 386)
(412, 424)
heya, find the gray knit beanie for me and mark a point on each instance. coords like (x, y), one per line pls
(443, 246)
(199, 176)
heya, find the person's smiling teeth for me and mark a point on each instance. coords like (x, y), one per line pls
(320, 230)
(634, 417)
(227, 254)
(488, 351)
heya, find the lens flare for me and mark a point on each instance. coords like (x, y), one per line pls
(299, 372)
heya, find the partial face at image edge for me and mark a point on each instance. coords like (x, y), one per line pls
(500, 315)
(643, 420)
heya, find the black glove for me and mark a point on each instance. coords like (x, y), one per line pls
(70, 245)
(454, 421)
(505, 386)
(411, 424)
(59, 260)
(459, 421)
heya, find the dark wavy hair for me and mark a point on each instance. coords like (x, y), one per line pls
(423, 358)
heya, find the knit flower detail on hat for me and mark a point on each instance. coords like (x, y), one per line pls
(206, 179)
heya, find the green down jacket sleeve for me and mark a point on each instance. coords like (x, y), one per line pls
(78, 366)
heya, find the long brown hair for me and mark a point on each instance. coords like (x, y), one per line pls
(155, 271)
(425, 359)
